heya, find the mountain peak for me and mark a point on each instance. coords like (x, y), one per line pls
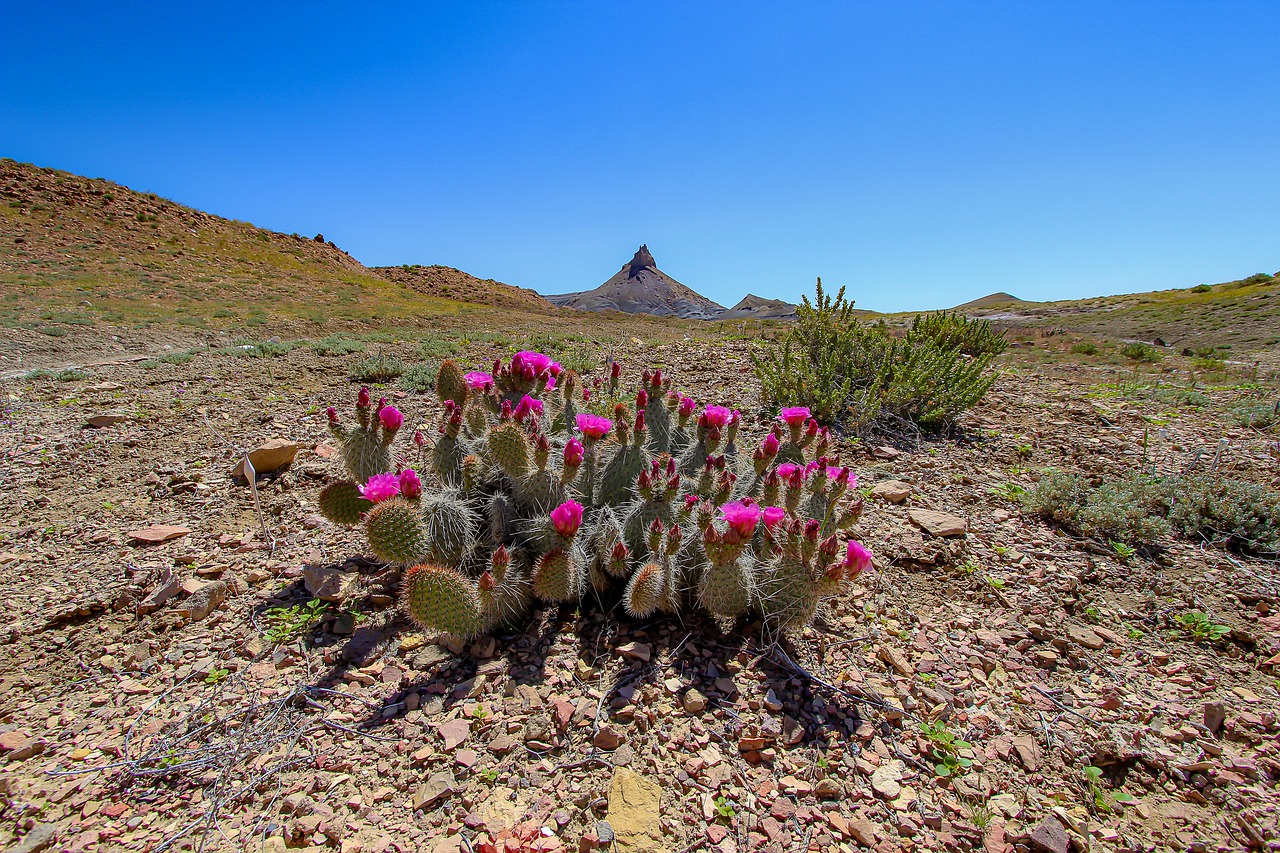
(643, 258)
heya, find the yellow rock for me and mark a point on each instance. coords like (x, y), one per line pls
(634, 809)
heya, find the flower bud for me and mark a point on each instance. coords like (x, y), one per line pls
(362, 398)
(332, 414)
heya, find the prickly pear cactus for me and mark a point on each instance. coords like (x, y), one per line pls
(534, 495)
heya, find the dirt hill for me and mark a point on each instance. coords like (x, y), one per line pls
(1000, 298)
(80, 250)
(449, 283)
(641, 288)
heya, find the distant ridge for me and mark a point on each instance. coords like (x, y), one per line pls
(999, 298)
(759, 308)
(641, 288)
(449, 283)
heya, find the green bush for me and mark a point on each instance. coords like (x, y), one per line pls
(420, 378)
(1141, 352)
(1257, 415)
(1142, 508)
(437, 347)
(1201, 288)
(378, 368)
(336, 345)
(953, 331)
(853, 375)
(1085, 348)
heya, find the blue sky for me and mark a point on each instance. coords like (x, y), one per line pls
(922, 154)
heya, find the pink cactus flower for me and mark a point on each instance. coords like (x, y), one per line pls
(856, 558)
(380, 487)
(526, 406)
(567, 518)
(538, 361)
(410, 485)
(555, 369)
(770, 445)
(391, 418)
(717, 416)
(687, 405)
(332, 414)
(479, 380)
(772, 515)
(574, 453)
(795, 416)
(787, 470)
(741, 517)
(593, 426)
(362, 398)
(551, 383)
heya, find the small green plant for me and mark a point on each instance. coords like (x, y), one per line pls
(480, 713)
(1140, 352)
(994, 582)
(286, 623)
(1085, 348)
(724, 808)
(216, 676)
(1121, 550)
(489, 775)
(1024, 451)
(946, 748)
(1257, 415)
(1093, 614)
(1133, 632)
(981, 814)
(378, 368)
(1200, 627)
(1008, 491)
(336, 345)
(420, 378)
(1101, 800)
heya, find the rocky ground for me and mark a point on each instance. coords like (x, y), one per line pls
(170, 683)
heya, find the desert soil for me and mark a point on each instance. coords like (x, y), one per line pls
(132, 724)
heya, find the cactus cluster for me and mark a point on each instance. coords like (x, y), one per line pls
(542, 498)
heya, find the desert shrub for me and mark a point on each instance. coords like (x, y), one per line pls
(37, 374)
(53, 331)
(71, 374)
(953, 331)
(1144, 508)
(1085, 348)
(378, 368)
(420, 378)
(437, 347)
(336, 345)
(853, 375)
(1140, 352)
(1257, 415)
(177, 357)
(1201, 288)
(264, 349)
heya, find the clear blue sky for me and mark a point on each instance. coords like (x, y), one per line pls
(921, 153)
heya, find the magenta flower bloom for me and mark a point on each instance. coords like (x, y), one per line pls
(741, 517)
(856, 558)
(642, 398)
(554, 369)
(410, 485)
(770, 445)
(479, 380)
(362, 398)
(380, 487)
(772, 515)
(332, 414)
(717, 415)
(794, 416)
(593, 426)
(687, 405)
(391, 418)
(526, 405)
(538, 361)
(567, 518)
(787, 470)
(573, 453)
(551, 383)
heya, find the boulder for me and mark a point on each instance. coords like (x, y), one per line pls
(939, 523)
(268, 457)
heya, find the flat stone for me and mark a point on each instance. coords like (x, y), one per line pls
(608, 738)
(158, 597)
(884, 780)
(438, 785)
(454, 732)
(693, 701)
(634, 812)
(104, 421)
(1085, 637)
(893, 491)
(269, 456)
(1215, 714)
(938, 523)
(896, 659)
(207, 599)
(328, 583)
(1028, 752)
(158, 533)
(39, 838)
(1050, 836)
(863, 831)
(638, 651)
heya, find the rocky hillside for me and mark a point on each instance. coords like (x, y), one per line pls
(754, 307)
(77, 251)
(641, 288)
(449, 283)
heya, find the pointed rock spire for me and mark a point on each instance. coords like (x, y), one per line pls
(642, 259)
